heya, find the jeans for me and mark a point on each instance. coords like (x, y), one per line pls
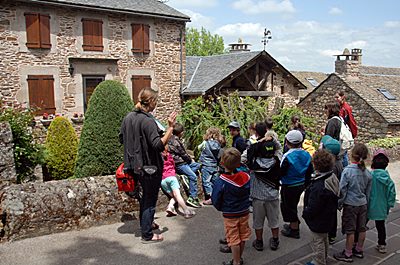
(345, 160)
(150, 186)
(190, 171)
(208, 175)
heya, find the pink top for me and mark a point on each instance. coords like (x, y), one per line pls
(169, 167)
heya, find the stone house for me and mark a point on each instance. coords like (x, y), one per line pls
(54, 52)
(372, 92)
(310, 79)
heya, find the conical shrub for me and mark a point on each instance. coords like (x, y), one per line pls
(61, 148)
(100, 152)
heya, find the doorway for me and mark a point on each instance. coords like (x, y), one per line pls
(89, 84)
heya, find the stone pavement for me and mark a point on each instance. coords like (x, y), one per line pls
(192, 241)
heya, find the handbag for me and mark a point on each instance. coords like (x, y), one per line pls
(125, 180)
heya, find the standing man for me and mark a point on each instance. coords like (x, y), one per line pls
(237, 141)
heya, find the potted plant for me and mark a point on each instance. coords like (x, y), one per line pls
(77, 118)
(46, 119)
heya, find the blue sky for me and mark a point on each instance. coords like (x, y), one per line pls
(305, 33)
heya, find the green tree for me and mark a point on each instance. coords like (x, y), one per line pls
(61, 148)
(203, 43)
(99, 151)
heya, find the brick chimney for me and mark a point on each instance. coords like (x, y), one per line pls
(239, 46)
(348, 64)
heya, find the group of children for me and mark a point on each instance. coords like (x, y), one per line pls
(256, 173)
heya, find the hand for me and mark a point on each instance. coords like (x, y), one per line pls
(172, 119)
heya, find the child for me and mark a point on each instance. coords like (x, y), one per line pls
(209, 158)
(383, 196)
(296, 170)
(231, 197)
(170, 185)
(264, 185)
(252, 134)
(355, 188)
(184, 164)
(320, 204)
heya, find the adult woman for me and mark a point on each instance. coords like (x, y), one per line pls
(143, 143)
(333, 125)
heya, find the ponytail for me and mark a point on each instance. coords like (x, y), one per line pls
(359, 154)
(145, 97)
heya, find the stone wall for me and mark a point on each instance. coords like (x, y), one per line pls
(7, 166)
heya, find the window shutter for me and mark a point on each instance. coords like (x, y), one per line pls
(45, 42)
(97, 36)
(146, 39)
(138, 83)
(92, 35)
(137, 38)
(32, 30)
(146, 82)
(41, 93)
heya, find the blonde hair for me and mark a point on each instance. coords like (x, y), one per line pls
(230, 158)
(212, 133)
(145, 97)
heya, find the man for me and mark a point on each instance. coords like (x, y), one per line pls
(346, 112)
(237, 141)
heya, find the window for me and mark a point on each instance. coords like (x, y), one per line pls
(92, 32)
(41, 93)
(138, 83)
(387, 94)
(140, 38)
(313, 82)
(37, 31)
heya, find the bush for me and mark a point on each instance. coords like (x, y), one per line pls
(27, 153)
(61, 148)
(99, 151)
(385, 142)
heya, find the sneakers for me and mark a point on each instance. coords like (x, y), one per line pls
(207, 202)
(289, 232)
(381, 248)
(223, 241)
(332, 240)
(194, 202)
(258, 245)
(231, 262)
(273, 243)
(225, 249)
(185, 183)
(358, 254)
(342, 257)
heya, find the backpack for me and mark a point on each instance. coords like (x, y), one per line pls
(346, 137)
(125, 180)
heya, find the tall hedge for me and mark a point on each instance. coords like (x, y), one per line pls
(99, 151)
(61, 148)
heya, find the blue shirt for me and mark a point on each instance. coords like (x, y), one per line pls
(355, 186)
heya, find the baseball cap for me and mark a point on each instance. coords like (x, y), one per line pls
(380, 151)
(331, 145)
(294, 137)
(234, 124)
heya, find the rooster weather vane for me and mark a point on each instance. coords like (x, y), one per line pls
(267, 37)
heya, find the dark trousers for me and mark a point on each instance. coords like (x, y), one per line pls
(332, 232)
(380, 227)
(151, 186)
(290, 197)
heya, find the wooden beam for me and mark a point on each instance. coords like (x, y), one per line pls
(251, 82)
(262, 82)
(256, 94)
(257, 75)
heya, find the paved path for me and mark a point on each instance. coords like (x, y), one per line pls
(193, 241)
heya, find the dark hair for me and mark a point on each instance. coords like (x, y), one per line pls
(252, 126)
(269, 122)
(261, 129)
(323, 161)
(230, 158)
(291, 145)
(380, 162)
(359, 153)
(296, 123)
(333, 109)
(178, 128)
(341, 93)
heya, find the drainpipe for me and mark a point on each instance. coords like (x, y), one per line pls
(181, 63)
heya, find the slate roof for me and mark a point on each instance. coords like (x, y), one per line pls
(138, 7)
(303, 75)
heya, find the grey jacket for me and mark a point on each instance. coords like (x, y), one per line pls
(355, 186)
(210, 154)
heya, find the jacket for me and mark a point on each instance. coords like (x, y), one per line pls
(169, 167)
(209, 156)
(383, 195)
(296, 167)
(141, 138)
(355, 186)
(239, 143)
(178, 151)
(231, 194)
(347, 115)
(321, 202)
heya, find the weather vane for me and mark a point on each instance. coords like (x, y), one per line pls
(267, 37)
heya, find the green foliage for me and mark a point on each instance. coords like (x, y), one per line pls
(202, 43)
(99, 151)
(61, 148)
(27, 153)
(385, 142)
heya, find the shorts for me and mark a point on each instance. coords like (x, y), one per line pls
(237, 230)
(354, 219)
(262, 209)
(169, 184)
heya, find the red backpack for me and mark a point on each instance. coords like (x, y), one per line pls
(125, 181)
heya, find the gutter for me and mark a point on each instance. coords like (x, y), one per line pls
(181, 63)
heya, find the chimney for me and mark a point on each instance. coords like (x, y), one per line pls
(348, 64)
(239, 46)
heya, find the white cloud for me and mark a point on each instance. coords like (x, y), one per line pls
(392, 24)
(329, 52)
(241, 30)
(335, 11)
(265, 6)
(198, 20)
(357, 44)
(192, 3)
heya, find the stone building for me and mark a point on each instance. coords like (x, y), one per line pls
(54, 52)
(310, 79)
(372, 92)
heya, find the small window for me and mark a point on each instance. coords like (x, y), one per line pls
(92, 31)
(313, 82)
(387, 94)
(138, 83)
(41, 93)
(140, 38)
(37, 31)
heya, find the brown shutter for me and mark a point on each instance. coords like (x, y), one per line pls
(32, 30)
(41, 93)
(137, 38)
(87, 34)
(45, 42)
(146, 39)
(97, 36)
(138, 83)
(92, 35)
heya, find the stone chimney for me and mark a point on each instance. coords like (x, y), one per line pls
(239, 46)
(348, 64)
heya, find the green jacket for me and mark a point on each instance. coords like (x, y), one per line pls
(383, 195)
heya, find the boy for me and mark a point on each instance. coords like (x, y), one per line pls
(237, 141)
(320, 204)
(231, 196)
(296, 170)
(184, 164)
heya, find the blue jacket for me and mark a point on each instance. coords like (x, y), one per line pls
(231, 194)
(239, 143)
(296, 167)
(209, 156)
(383, 195)
(355, 186)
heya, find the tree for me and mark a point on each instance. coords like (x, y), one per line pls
(202, 43)
(100, 152)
